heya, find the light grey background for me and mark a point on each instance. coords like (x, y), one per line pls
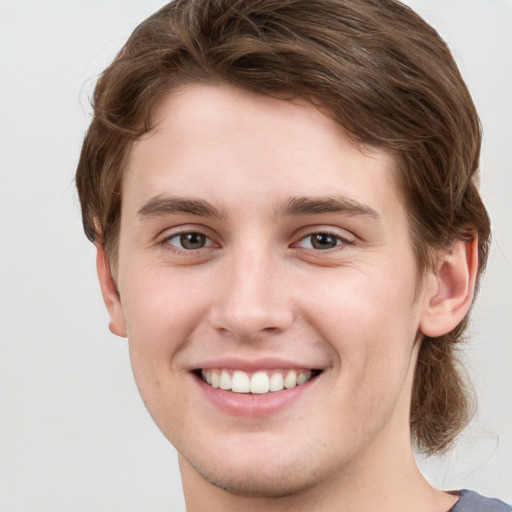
(74, 435)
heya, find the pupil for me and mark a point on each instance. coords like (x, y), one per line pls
(192, 240)
(323, 241)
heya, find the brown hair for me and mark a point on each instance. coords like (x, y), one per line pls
(376, 67)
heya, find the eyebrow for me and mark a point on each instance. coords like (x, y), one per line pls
(294, 206)
(329, 204)
(160, 205)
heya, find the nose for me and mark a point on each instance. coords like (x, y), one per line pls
(252, 298)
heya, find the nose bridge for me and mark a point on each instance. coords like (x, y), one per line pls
(252, 297)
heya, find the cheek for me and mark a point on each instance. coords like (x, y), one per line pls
(370, 330)
(357, 300)
(160, 313)
(161, 309)
(370, 321)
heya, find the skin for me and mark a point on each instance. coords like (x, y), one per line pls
(259, 288)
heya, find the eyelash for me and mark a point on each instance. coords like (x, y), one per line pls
(339, 241)
(167, 241)
(207, 241)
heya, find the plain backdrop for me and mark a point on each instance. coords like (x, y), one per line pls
(74, 435)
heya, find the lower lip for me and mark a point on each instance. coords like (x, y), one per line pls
(253, 405)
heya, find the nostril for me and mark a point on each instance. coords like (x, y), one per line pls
(251, 323)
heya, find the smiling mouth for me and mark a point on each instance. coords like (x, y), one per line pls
(260, 382)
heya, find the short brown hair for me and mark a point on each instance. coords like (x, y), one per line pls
(375, 67)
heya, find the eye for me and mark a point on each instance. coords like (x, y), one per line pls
(321, 241)
(189, 241)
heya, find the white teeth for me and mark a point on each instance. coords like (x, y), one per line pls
(207, 376)
(290, 381)
(215, 378)
(276, 382)
(303, 377)
(260, 382)
(240, 382)
(225, 380)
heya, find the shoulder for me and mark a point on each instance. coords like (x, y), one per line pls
(471, 501)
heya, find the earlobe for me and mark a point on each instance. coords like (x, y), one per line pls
(110, 294)
(451, 289)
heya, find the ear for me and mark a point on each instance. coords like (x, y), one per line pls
(110, 294)
(450, 288)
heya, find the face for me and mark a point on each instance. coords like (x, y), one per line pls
(268, 291)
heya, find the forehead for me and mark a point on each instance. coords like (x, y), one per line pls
(255, 146)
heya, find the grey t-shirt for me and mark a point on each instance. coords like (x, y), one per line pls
(470, 501)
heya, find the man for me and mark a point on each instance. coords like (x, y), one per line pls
(283, 196)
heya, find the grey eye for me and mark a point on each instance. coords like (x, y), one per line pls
(320, 241)
(192, 240)
(324, 241)
(189, 241)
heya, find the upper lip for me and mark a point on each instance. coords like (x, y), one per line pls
(254, 364)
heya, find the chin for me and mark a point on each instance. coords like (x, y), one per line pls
(261, 482)
(278, 474)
